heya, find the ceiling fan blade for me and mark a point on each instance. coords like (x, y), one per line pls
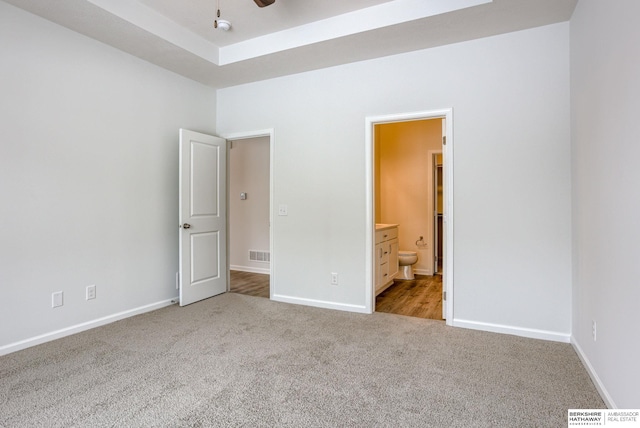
(263, 3)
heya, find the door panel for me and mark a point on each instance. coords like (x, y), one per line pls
(203, 234)
(204, 179)
(205, 256)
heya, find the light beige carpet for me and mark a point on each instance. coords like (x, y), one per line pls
(243, 361)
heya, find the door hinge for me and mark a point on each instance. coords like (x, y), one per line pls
(444, 295)
(444, 140)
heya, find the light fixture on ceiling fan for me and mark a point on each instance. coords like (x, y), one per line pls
(222, 24)
(225, 25)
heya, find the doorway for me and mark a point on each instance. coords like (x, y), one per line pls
(404, 195)
(421, 206)
(250, 238)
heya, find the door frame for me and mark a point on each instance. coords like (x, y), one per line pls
(447, 150)
(245, 135)
(432, 172)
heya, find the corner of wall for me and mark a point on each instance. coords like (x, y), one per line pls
(593, 375)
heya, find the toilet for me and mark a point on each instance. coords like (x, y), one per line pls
(406, 259)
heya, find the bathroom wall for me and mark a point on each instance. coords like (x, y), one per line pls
(249, 218)
(405, 192)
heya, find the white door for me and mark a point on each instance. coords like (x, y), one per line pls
(202, 216)
(445, 213)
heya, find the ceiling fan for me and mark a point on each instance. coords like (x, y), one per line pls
(263, 3)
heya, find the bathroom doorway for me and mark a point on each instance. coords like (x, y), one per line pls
(249, 201)
(408, 156)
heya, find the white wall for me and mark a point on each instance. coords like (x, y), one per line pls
(249, 218)
(510, 96)
(88, 176)
(605, 101)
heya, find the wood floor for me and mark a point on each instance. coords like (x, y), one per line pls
(421, 297)
(252, 284)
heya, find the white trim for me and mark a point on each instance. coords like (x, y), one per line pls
(270, 132)
(604, 394)
(319, 303)
(369, 275)
(447, 115)
(532, 333)
(423, 271)
(447, 274)
(68, 331)
(250, 269)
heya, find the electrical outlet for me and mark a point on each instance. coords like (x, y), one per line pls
(91, 292)
(283, 210)
(57, 299)
(593, 329)
(334, 278)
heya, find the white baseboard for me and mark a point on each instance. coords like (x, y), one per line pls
(250, 269)
(423, 272)
(320, 304)
(516, 331)
(48, 337)
(593, 375)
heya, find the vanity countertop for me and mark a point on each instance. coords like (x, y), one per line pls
(380, 226)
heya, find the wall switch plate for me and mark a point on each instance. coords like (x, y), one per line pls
(334, 278)
(57, 299)
(243, 196)
(283, 210)
(91, 292)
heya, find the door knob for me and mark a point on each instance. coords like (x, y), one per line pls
(186, 226)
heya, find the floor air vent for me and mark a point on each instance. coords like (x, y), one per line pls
(259, 256)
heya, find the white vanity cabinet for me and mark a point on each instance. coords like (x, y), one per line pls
(386, 256)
